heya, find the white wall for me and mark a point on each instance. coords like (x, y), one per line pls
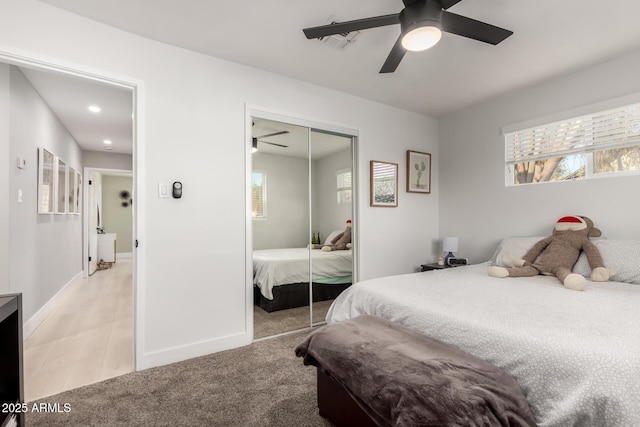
(115, 217)
(4, 178)
(474, 202)
(328, 214)
(192, 115)
(287, 222)
(98, 159)
(45, 250)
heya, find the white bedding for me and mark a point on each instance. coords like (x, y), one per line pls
(275, 267)
(576, 355)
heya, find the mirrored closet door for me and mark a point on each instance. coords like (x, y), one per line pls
(301, 212)
(331, 219)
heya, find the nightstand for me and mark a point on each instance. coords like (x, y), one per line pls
(434, 266)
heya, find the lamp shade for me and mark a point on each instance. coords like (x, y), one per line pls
(421, 38)
(450, 244)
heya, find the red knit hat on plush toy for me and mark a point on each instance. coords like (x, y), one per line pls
(571, 223)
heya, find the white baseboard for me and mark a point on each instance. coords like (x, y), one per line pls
(178, 354)
(34, 321)
(122, 255)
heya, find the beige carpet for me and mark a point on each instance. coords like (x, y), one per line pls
(263, 384)
(267, 324)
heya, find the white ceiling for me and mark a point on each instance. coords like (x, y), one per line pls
(69, 97)
(551, 38)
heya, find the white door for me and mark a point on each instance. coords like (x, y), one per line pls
(93, 224)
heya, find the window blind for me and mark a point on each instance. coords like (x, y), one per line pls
(343, 181)
(605, 130)
(343, 186)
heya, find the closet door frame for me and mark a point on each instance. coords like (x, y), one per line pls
(316, 125)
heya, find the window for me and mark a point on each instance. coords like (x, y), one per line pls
(259, 195)
(589, 146)
(343, 184)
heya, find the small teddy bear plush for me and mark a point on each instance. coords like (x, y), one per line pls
(341, 242)
(557, 254)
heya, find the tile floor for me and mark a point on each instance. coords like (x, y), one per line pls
(87, 338)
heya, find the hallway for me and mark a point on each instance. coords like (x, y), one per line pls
(87, 338)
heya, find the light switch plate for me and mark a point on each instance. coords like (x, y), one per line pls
(22, 163)
(163, 190)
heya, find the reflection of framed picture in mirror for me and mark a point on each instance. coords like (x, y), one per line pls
(61, 186)
(46, 181)
(71, 185)
(384, 184)
(418, 172)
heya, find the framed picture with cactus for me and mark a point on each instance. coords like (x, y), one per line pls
(418, 172)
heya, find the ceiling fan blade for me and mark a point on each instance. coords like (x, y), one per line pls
(394, 58)
(446, 4)
(282, 132)
(273, 143)
(477, 30)
(349, 26)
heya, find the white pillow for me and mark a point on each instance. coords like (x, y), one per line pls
(512, 248)
(332, 236)
(621, 256)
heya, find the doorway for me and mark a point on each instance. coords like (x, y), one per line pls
(108, 223)
(302, 205)
(46, 309)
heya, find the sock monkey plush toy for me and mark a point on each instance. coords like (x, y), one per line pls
(557, 254)
(341, 242)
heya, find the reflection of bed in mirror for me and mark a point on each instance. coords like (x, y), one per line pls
(281, 276)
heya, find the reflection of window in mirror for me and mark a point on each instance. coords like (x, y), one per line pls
(259, 194)
(343, 181)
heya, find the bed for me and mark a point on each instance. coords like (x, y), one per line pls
(281, 276)
(576, 355)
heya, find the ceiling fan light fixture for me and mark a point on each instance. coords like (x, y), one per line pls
(421, 38)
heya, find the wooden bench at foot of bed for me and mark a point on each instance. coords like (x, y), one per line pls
(374, 372)
(296, 295)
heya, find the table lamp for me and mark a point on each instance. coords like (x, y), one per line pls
(449, 244)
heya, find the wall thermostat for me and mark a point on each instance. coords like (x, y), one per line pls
(177, 190)
(453, 261)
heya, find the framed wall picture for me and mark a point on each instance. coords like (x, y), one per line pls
(72, 186)
(384, 184)
(62, 192)
(418, 172)
(46, 181)
(78, 192)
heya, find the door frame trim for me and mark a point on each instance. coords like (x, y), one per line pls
(85, 207)
(23, 58)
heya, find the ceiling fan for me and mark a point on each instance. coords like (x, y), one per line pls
(421, 25)
(256, 139)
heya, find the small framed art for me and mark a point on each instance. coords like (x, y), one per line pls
(46, 181)
(384, 184)
(418, 172)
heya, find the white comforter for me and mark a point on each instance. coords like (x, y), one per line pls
(576, 355)
(275, 267)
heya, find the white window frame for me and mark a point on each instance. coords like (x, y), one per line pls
(339, 189)
(585, 134)
(264, 194)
